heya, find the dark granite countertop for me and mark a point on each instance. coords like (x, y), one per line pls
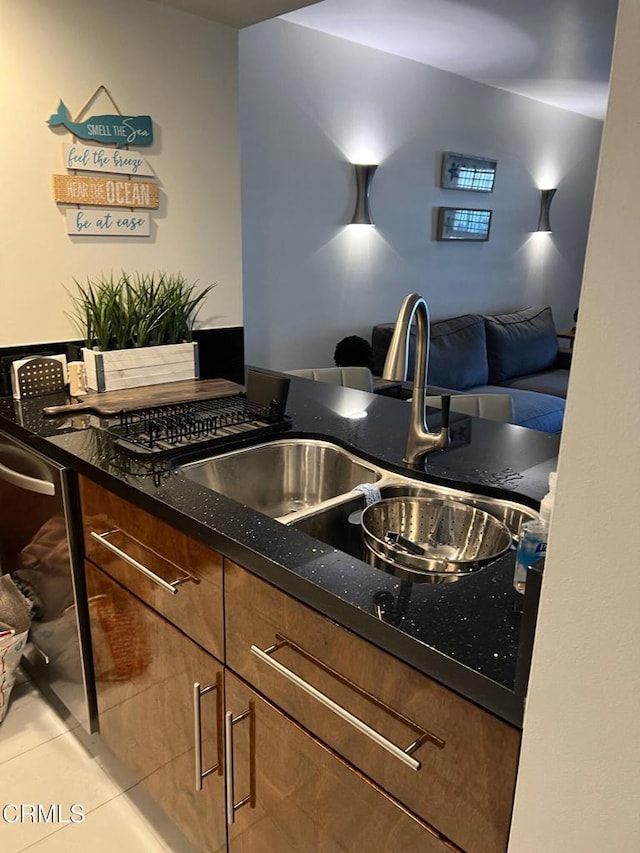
(464, 634)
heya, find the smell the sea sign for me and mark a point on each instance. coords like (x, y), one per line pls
(115, 130)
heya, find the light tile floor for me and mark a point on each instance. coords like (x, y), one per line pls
(44, 761)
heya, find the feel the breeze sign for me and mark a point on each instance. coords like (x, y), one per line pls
(91, 158)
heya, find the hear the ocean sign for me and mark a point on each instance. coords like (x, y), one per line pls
(112, 192)
(118, 130)
(91, 158)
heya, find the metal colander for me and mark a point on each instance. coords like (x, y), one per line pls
(435, 538)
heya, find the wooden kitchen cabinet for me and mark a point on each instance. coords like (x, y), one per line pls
(298, 796)
(145, 672)
(291, 792)
(404, 763)
(450, 762)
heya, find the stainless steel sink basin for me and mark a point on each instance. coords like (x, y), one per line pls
(283, 477)
(339, 525)
(310, 484)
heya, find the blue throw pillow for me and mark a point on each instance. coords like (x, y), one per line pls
(521, 343)
(458, 353)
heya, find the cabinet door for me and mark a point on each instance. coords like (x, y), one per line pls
(288, 792)
(160, 707)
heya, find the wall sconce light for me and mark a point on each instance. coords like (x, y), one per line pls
(362, 212)
(546, 196)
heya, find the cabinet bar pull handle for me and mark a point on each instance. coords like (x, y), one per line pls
(198, 693)
(166, 585)
(422, 735)
(403, 755)
(229, 722)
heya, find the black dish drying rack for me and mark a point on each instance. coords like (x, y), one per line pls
(213, 423)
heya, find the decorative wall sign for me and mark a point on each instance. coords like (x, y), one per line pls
(461, 223)
(108, 223)
(91, 158)
(113, 192)
(116, 130)
(464, 172)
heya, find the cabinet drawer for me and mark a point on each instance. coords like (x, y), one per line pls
(449, 761)
(174, 574)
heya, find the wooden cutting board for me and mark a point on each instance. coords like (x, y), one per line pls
(148, 396)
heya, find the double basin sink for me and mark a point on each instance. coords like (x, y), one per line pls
(311, 485)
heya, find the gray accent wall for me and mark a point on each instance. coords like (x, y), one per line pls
(309, 103)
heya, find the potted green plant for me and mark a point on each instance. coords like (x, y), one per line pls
(137, 328)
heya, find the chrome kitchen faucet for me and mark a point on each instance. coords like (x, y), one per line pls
(420, 441)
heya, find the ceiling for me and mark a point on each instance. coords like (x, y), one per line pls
(236, 13)
(555, 51)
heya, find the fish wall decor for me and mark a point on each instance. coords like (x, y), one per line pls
(118, 130)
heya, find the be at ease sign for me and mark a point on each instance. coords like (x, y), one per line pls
(108, 223)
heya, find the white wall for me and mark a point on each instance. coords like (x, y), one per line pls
(580, 767)
(308, 103)
(179, 69)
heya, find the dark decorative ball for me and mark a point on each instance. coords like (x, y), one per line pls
(353, 351)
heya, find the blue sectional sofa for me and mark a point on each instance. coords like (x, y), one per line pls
(485, 354)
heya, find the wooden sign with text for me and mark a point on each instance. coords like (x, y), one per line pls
(116, 130)
(108, 223)
(91, 158)
(110, 192)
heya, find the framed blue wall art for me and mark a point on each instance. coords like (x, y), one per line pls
(463, 223)
(464, 172)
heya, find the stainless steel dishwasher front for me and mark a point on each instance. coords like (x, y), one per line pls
(39, 548)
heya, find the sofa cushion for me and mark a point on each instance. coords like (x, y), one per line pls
(544, 412)
(548, 382)
(521, 343)
(380, 339)
(458, 352)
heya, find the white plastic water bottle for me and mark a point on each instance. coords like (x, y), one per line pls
(533, 538)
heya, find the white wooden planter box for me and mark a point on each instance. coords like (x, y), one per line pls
(130, 368)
